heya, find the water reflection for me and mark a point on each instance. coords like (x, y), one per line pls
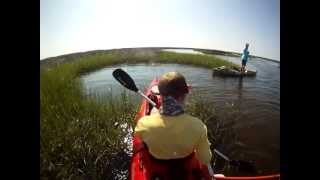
(189, 51)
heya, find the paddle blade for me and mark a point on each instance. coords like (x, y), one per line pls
(123, 78)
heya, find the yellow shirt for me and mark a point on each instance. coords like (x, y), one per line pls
(172, 137)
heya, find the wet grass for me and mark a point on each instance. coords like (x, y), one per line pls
(79, 138)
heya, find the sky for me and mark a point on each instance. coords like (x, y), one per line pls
(69, 26)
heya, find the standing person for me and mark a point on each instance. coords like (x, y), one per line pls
(171, 134)
(244, 57)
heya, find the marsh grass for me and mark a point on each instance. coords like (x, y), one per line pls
(80, 137)
(95, 61)
(207, 61)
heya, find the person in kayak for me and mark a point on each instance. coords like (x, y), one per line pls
(171, 133)
(244, 57)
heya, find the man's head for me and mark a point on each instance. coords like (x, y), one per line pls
(173, 84)
(247, 45)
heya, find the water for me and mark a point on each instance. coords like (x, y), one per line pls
(189, 51)
(257, 99)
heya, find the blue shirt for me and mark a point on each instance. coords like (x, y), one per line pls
(245, 55)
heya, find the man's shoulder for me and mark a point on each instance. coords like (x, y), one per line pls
(195, 121)
(148, 118)
(142, 124)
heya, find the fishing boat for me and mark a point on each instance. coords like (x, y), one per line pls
(232, 72)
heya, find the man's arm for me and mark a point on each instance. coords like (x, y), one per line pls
(203, 151)
(140, 128)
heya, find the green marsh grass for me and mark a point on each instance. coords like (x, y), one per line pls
(206, 61)
(79, 138)
(95, 61)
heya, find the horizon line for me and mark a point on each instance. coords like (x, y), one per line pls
(158, 47)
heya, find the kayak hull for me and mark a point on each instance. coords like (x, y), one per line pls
(143, 166)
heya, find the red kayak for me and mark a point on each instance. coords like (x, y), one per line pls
(144, 167)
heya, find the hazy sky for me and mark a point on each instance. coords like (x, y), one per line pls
(68, 26)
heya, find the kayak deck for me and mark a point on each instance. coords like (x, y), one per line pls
(143, 167)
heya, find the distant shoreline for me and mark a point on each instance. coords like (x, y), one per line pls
(76, 55)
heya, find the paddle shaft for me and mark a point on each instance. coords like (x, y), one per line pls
(221, 155)
(148, 99)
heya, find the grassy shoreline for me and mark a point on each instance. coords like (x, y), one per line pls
(78, 136)
(97, 59)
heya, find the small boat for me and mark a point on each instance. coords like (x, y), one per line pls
(232, 72)
(144, 167)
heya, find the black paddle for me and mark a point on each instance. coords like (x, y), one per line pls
(124, 78)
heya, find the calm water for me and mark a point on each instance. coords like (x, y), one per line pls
(189, 51)
(257, 99)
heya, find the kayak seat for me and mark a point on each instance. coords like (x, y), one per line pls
(171, 169)
(174, 169)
